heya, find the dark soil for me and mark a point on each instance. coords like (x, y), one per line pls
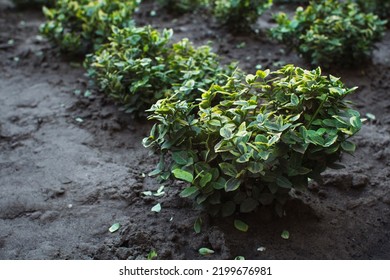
(71, 166)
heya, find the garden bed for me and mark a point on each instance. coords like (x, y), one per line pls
(71, 166)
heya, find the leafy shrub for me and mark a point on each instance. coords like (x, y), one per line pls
(239, 15)
(182, 6)
(139, 66)
(330, 32)
(378, 7)
(248, 143)
(80, 26)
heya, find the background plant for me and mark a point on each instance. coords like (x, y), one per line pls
(330, 32)
(249, 143)
(378, 7)
(239, 15)
(140, 65)
(81, 26)
(183, 6)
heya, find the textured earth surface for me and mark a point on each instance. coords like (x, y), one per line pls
(71, 166)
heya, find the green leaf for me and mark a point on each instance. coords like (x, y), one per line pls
(228, 169)
(255, 167)
(152, 255)
(187, 192)
(232, 184)
(156, 208)
(180, 157)
(244, 158)
(240, 225)
(285, 234)
(147, 193)
(371, 116)
(250, 78)
(114, 227)
(154, 173)
(198, 225)
(220, 184)
(205, 179)
(239, 258)
(205, 251)
(348, 146)
(355, 122)
(183, 175)
(315, 138)
(283, 182)
(262, 74)
(226, 132)
(294, 99)
(248, 205)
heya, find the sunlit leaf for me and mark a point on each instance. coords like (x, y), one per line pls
(285, 234)
(156, 208)
(114, 227)
(183, 175)
(205, 251)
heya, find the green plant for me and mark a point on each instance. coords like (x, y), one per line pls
(183, 6)
(139, 66)
(330, 32)
(239, 15)
(378, 7)
(249, 143)
(81, 26)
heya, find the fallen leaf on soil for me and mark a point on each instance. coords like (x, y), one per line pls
(114, 227)
(156, 208)
(285, 234)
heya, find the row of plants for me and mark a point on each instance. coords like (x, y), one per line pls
(326, 32)
(240, 141)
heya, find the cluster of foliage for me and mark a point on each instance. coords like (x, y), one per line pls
(139, 66)
(32, 3)
(330, 32)
(182, 6)
(239, 15)
(378, 7)
(81, 26)
(249, 142)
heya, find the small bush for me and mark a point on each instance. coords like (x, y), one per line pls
(239, 15)
(139, 66)
(378, 7)
(249, 143)
(81, 26)
(330, 32)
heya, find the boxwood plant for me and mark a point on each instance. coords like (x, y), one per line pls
(140, 65)
(249, 142)
(79, 27)
(330, 32)
(239, 15)
(378, 7)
